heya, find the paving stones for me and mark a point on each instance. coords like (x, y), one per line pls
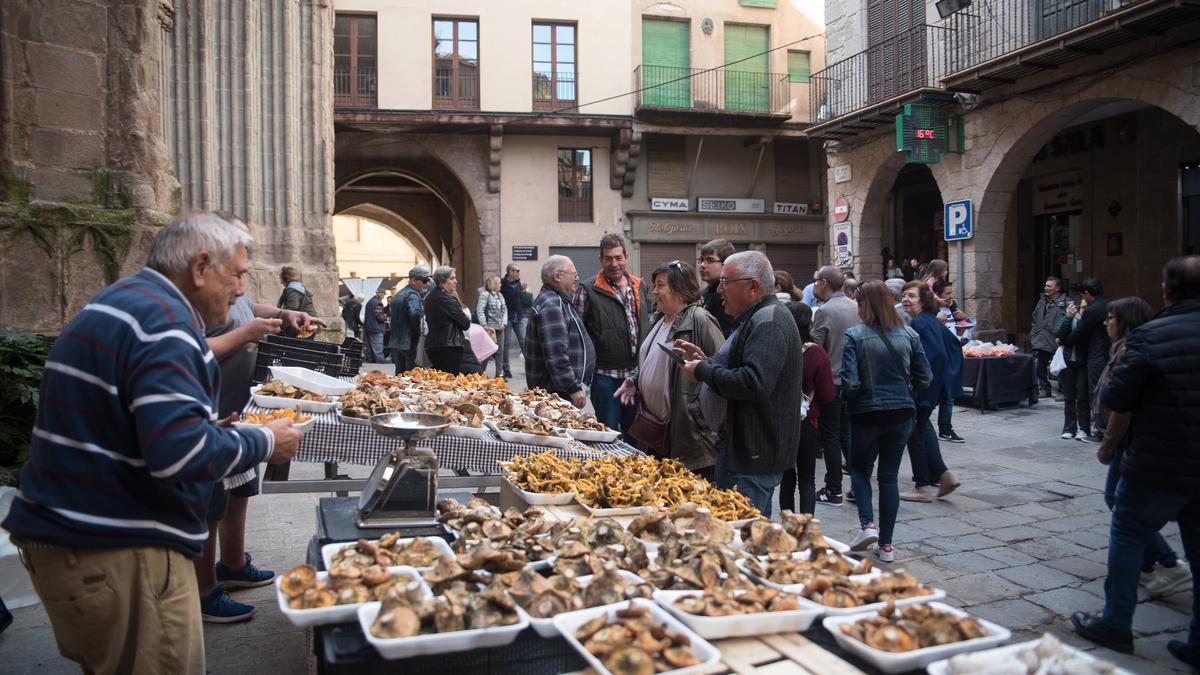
(1079, 567)
(984, 587)
(995, 519)
(1017, 533)
(966, 562)
(1037, 576)
(1007, 556)
(1050, 548)
(1013, 613)
(1064, 601)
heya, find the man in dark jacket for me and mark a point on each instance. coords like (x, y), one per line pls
(761, 381)
(615, 307)
(1155, 381)
(446, 318)
(350, 316)
(559, 353)
(406, 312)
(712, 259)
(510, 288)
(1091, 336)
(1050, 308)
(374, 325)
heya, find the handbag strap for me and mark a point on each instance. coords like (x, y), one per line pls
(892, 350)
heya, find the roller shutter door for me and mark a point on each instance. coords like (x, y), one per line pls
(654, 254)
(798, 260)
(586, 259)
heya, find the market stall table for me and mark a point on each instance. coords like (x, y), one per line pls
(332, 440)
(1000, 380)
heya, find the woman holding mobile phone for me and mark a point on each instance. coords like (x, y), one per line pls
(668, 422)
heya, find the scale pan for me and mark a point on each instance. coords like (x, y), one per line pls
(409, 425)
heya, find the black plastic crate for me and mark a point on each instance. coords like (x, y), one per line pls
(311, 345)
(278, 354)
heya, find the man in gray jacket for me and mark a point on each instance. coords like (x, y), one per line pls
(1050, 308)
(836, 314)
(761, 381)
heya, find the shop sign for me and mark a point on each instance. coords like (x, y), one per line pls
(732, 229)
(841, 209)
(723, 205)
(843, 255)
(669, 228)
(1058, 192)
(789, 229)
(668, 204)
(524, 253)
(841, 174)
(791, 208)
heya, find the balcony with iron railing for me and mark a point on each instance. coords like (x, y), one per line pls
(675, 94)
(554, 92)
(354, 89)
(992, 43)
(456, 89)
(866, 90)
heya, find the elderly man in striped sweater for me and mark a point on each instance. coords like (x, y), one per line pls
(126, 448)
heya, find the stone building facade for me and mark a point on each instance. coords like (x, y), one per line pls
(1076, 166)
(115, 114)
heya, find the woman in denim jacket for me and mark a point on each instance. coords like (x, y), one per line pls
(882, 364)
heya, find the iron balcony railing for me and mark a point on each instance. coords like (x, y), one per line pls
(896, 66)
(989, 29)
(455, 89)
(716, 90)
(554, 91)
(354, 90)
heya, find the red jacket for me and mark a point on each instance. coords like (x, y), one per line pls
(817, 380)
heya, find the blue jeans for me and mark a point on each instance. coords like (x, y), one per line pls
(608, 409)
(945, 410)
(517, 328)
(924, 451)
(884, 442)
(373, 348)
(759, 487)
(1140, 511)
(1158, 551)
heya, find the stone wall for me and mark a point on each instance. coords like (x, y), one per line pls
(1002, 134)
(85, 174)
(249, 86)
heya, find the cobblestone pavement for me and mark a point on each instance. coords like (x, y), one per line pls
(1022, 543)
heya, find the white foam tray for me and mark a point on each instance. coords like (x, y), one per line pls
(1007, 655)
(798, 588)
(540, 498)
(569, 622)
(311, 380)
(592, 436)
(330, 550)
(437, 643)
(337, 613)
(740, 625)
(302, 427)
(282, 402)
(901, 662)
(528, 439)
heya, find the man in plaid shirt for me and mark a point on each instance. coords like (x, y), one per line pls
(616, 307)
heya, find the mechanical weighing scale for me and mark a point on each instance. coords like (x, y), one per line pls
(402, 490)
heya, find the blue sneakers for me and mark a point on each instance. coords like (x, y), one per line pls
(218, 607)
(247, 577)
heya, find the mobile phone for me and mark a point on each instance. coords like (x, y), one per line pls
(671, 352)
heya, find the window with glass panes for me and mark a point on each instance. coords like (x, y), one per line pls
(554, 66)
(455, 64)
(574, 185)
(354, 59)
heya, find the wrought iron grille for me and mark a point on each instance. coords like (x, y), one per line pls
(721, 90)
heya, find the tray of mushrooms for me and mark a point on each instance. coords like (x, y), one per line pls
(635, 637)
(738, 609)
(311, 598)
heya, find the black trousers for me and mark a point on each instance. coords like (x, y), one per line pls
(1077, 407)
(1043, 369)
(834, 422)
(447, 359)
(803, 474)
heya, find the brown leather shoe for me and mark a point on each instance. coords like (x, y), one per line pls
(925, 493)
(949, 483)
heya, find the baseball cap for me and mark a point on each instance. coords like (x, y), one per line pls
(418, 272)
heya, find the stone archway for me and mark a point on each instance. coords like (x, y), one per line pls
(397, 224)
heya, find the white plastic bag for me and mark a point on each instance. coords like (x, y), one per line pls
(1058, 363)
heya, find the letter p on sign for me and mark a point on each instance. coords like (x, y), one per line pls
(956, 217)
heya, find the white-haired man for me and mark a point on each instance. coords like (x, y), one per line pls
(757, 372)
(126, 448)
(559, 354)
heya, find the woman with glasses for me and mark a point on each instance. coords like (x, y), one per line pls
(1161, 571)
(668, 421)
(883, 363)
(933, 480)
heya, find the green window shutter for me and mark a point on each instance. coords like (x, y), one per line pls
(665, 57)
(799, 67)
(765, 4)
(746, 86)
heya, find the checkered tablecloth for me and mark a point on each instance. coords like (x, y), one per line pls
(331, 440)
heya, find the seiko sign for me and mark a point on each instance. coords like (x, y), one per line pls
(721, 205)
(668, 204)
(791, 208)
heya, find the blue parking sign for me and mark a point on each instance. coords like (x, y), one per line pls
(956, 220)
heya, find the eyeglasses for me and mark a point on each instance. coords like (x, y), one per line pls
(676, 264)
(725, 282)
(707, 261)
